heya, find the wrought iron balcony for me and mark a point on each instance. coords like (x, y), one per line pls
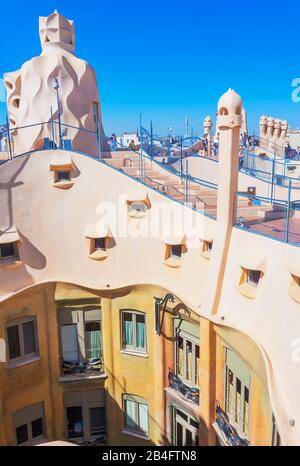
(229, 433)
(78, 370)
(188, 393)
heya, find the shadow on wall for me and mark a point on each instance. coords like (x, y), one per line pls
(8, 181)
(30, 255)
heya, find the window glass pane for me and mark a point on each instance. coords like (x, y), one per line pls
(197, 364)
(130, 412)
(37, 427)
(13, 342)
(93, 340)
(143, 414)
(22, 434)
(97, 420)
(189, 360)
(69, 342)
(182, 415)
(127, 329)
(229, 391)
(188, 438)
(140, 331)
(75, 422)
(100, 243)
(7, 250)
(246, 410)
(29, 337)
(63, 176)
(194, 423)
(180, 356)
(238, 401)
(179, 435)
(254, 276)
(176, 250)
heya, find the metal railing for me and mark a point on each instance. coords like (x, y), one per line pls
(187, 393)
(230, 434)
(277, 219)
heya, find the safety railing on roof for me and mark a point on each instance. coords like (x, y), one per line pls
(277, 219)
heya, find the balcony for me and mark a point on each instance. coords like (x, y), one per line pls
(227, 434)
(187, 393)
(76, 371)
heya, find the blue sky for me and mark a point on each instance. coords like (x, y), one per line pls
(167, 59)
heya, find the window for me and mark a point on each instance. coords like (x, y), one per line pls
(253, 277)
(237, 392)
(187, 357)
(173, 254)
(136, 414)
(8, 250)
(85, 415)
(29, 424)
(81, 335)
(134, 331)
(61, 176)
(206, 249)
(100, 244)
(93, 340)
(176, 250)
(75, 422)
(250, 282)
(137, 209)
(22, 339)
(185, 429)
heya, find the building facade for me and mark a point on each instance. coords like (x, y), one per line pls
(128, 316)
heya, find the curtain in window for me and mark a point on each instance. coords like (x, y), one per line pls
(143, 415)
(128, 331)
(130, 414)
(140, 334)
(93, 344)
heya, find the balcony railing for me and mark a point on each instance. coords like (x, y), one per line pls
(229, 433)
(187, 393)
(79, 370)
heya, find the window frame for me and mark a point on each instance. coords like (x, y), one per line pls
(195, 342)
(139, 401)
(28, 423)
(85, 406)
(80, 322)
(241, 421)
(23, 358)
(185, 424)
(133, 348)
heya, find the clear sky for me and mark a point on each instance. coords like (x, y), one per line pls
(168, 59)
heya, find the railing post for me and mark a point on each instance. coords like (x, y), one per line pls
(287, 221)
(8, 138)
(52, 129)
(181, 158)
(142, 177)
(151, 141)
(186, 196)
(99, 138)
(272, 181)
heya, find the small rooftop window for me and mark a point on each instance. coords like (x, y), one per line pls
(9, 245)
(249, 282)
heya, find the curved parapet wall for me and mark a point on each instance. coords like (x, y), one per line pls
(31, 95)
